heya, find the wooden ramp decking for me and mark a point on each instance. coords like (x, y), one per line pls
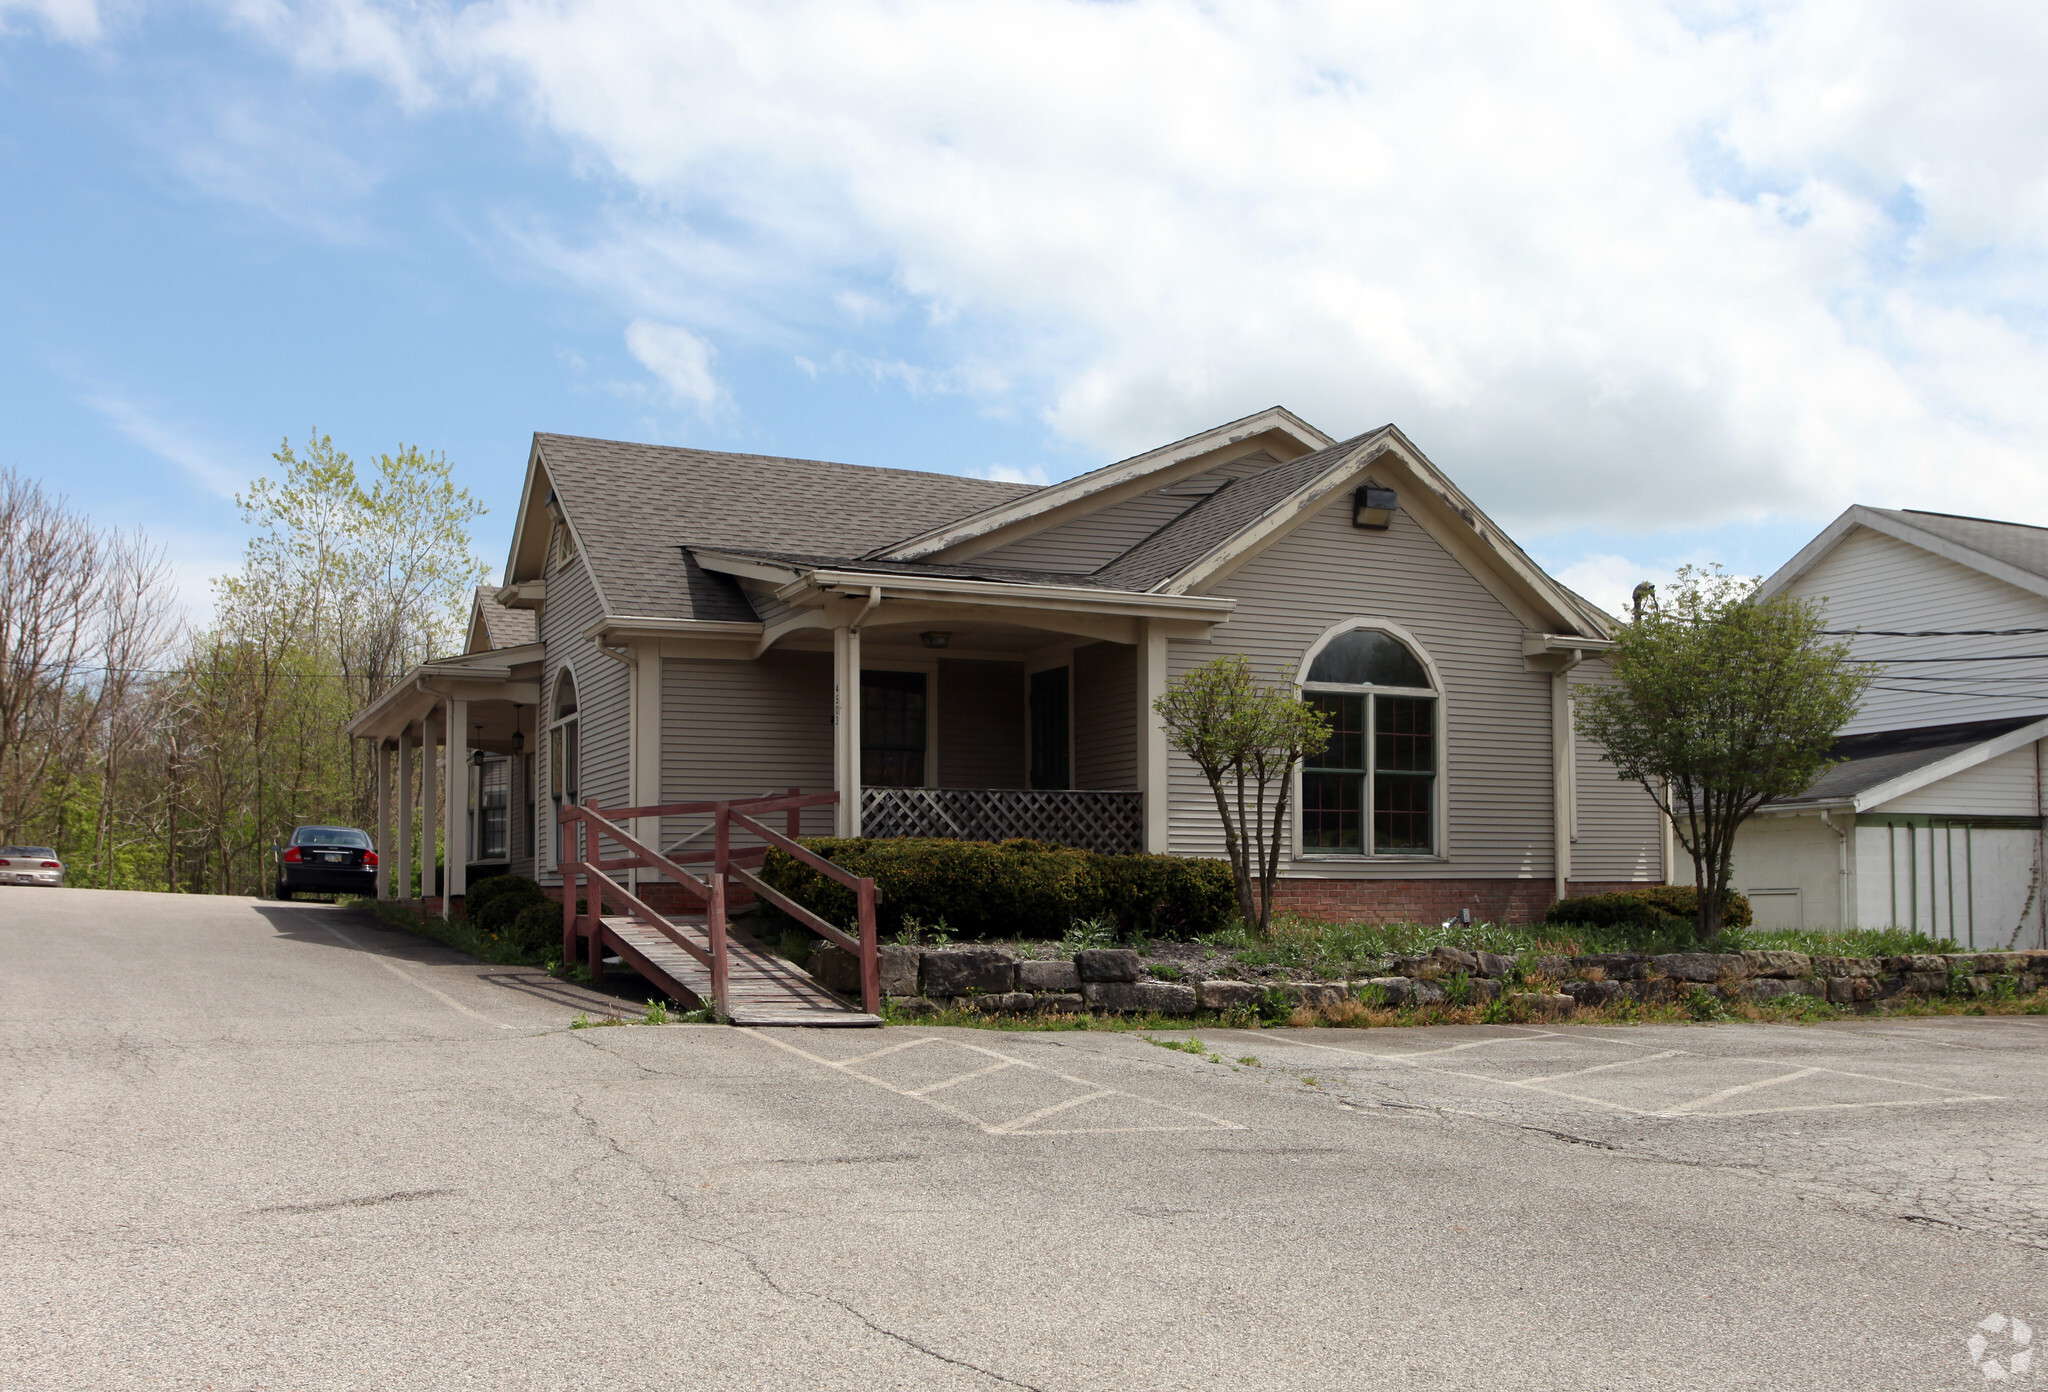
(763, 989)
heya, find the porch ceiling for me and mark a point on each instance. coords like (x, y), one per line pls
(492, 691)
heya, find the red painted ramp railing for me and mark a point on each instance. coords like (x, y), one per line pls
(585, 828)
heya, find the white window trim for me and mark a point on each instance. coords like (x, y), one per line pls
(544, 764)
(1438, 692)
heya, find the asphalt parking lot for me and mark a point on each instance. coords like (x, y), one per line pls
(252, 1145)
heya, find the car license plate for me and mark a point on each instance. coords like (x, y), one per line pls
(336, 859)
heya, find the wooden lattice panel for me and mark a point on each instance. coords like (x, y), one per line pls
(1107, 820)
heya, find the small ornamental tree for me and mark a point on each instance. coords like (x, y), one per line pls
(1721, 702)
(1246, 740)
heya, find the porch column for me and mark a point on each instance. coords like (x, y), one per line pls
(430, 797)
(1151, 735)
(644, 749)
(382, 752)
(405, 779)
(458, 806)
(846, 728)
(1563, 773)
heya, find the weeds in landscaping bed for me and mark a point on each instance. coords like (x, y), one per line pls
(1699, 1008)
(1335, 951)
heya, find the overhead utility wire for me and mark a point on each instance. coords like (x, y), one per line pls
(1930, 632)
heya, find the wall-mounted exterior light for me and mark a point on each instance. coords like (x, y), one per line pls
(1373, 507)
(936, 640)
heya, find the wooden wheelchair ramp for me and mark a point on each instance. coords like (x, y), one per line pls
(695, 957)
(762, 989)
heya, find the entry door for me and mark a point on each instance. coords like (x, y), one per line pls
(1049, 728)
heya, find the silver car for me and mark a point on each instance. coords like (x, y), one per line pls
(36, 865)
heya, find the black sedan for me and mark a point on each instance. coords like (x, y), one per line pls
(327, 860)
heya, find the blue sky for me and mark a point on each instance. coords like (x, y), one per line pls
(1655, 285)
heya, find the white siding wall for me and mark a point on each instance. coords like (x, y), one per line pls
(1874, 581)
(1497, 753)
(1799, 854)
(1976, 885)
(2002, 787)
(740, 729)
(1619, 830)
(601, 699)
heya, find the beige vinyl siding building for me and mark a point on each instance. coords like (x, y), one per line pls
(950, 656)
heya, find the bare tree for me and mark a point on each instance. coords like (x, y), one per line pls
(52, 573)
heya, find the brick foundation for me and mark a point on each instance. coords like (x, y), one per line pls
(1428, 901)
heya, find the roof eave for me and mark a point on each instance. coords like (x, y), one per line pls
(1911, 782)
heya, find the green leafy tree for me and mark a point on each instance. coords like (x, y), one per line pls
(1721, 702)
(1246, 740)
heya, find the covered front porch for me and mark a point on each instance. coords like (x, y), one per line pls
(454, 761)
(943, 706)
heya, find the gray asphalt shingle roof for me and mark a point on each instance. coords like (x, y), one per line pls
(2014, 543)
(1869, 760)
(506, 628)
(944, 570)
(1219, 517)
(636, 506)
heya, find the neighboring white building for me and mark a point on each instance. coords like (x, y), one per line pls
(1934, 820)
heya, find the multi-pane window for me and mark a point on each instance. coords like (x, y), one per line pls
(892, 729)
(490, 809)
(1372, 788)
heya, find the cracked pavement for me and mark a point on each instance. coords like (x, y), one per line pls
(261, 1146)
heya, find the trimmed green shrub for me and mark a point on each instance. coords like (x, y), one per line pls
(492, 904)
(1652, 909)
(536, 933)
(1011, 889)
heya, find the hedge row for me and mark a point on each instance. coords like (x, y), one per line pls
(1012, 889)
(1652, 909)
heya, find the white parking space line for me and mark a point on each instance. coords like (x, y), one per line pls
(1711, 1098)
(1599, 1068)
(929, 1088)
(401, 973)
(1043, 1112)
(893, 1049)
(1095, 1092)
(1685, 1111)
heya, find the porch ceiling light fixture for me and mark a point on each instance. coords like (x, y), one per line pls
(936, 639)
(1373, 507)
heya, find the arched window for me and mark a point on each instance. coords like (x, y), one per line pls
(564, 773)
(1372, 790)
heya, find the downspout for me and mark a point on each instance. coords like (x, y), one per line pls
(874, 600)
(1561, 769)
(625, 659)
(1842, 924)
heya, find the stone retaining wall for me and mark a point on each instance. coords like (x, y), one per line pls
(1114, 980)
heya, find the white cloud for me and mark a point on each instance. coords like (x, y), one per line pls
(1609, 263)
(200, 461)
(71, 21)
(1010, 473)
(679, 360)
